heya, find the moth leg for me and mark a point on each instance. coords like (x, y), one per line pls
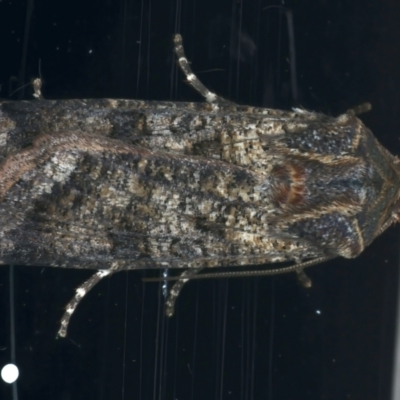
(176, 289)
(360, 109)
(192, 79)
(304, 280)
(81, 291)
(37, 89)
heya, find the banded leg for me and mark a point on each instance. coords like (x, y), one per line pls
(192, 79)
(176, 289)
(81, 291)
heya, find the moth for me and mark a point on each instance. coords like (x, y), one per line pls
(113, 185)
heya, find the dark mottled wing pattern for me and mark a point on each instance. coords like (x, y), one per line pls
(126, 184)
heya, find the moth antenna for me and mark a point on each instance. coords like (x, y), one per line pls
(81, 291)
(192, 79)
(244, 274)
(176, 289)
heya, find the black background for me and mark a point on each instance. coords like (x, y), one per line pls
(265, 338)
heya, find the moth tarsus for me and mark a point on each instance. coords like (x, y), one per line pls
(37, 89)
(360, 109)
(80, 292)
(192, 79)
(115, 185)
(304, 280)
(176, 289)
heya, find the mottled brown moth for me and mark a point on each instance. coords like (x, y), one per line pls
(113, 185)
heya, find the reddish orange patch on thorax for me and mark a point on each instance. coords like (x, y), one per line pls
(289, 185)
